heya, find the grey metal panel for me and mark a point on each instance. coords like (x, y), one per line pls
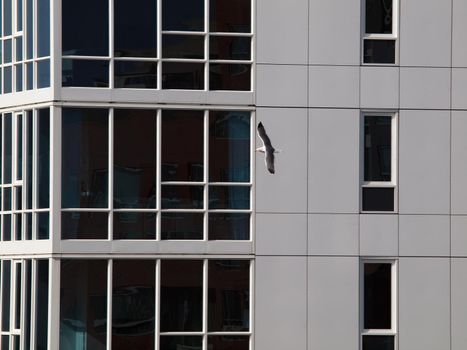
(281, 234)
(379, 87)
(282, 31)
(459, 88)
(332, 86)
(424, 170)
(425, 33)
(334, 161)
(333, 308)
(424, 304)
(281, 85)
(458, 304)
(280, 311)
(285, 191)
(459, 162)
(379, 235)
(424, 235)
(335, 32)
(459, 28)
(333, 234)
(425, 88)
(459, 235)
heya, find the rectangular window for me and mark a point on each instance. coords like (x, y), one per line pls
(379, 305)
(379, 32)
(379, 166)
(176, 174)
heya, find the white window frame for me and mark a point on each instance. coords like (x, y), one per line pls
(394, 158)
(394, 287)
(381, 36)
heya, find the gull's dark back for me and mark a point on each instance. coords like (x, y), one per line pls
(265, 138)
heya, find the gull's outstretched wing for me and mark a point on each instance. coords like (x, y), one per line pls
(268, 149)
(263, 136)
(269, 158)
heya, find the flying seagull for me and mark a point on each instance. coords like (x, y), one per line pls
(267, 148)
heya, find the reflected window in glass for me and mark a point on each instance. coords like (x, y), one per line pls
(229, 197)
(133, 304)
(229, 146)
(189, 76)
(182, 197)
(135, 133)
(83, 302)
(379, 51)
(378, 16)
(230, 77)
(181, 295)
(228, 295)
(43, 74)
(182, 46)
(84, 225)
(229, 226)
(85, 158)
(43, 27)
(229, 48)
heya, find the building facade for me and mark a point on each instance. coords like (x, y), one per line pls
(135, 213)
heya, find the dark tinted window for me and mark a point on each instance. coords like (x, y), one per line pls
(378, 16)
(7, 199)
(44, 157)
(183, 15)
(43, 225)
(85, 27)
(182, 46)
(181, 295)
(133, 304)
(229, 197)
(377, 296)
(228, 296)
(8, 51)
(7, 18)
(181, 342)
(134, 225)
(182, 197)
(229, 146)
(229, 226)
(377, 199)
(230, 15)
(183, 76)
(182, 225)
(6, 287)
(135, 75)
(43, 74)
(377, 148)
(135, 28)
(43, 27)
(84, 225)
(379, 51)
(229, 48)
(135, 158)
(7, 80)
(228, 343)
(230, 77)
(42, 304)
(6, 227)
(85, 73)
(182, 145)
(83, 301)
(84, 158)
(378, 342)
(7, 156)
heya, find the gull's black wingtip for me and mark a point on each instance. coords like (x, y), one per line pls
(260, 125)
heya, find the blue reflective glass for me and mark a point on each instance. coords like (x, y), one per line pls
(29, 76)
(43, 164)
(6, 287)
(7, 152)
(43, 28)
(19, 77)
(85, 73)
(229, 226)
(29, 156)
(29, 29)
(6, 198)
(7, 20)
(43, 225)
(229, 146)
(19, 148)
(8, 51)
(19, 15)
(19, 49)
(7, 79)
(7, 227)
(43, 74)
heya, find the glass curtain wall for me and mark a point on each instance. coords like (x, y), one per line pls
(157, 44)
(174, 175)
